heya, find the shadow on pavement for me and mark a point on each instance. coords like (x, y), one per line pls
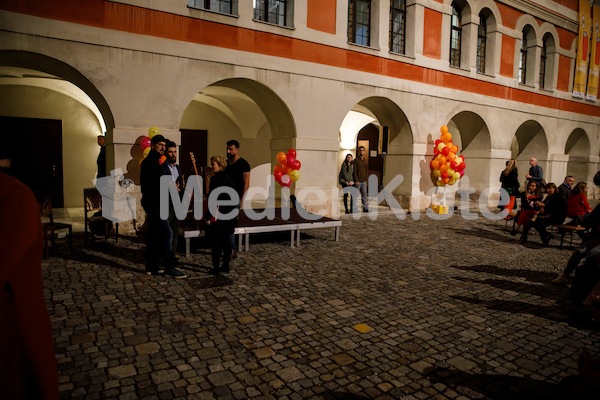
(547, 291)
(529, 275)
(497, 387)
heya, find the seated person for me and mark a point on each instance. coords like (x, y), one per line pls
(529, 205)
(578, 207)
(553, 211)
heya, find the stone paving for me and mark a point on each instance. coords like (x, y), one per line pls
(397, 309)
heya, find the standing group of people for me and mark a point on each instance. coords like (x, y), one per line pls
(354, 173)
(162, 235)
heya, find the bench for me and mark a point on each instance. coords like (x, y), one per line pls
(570, 230)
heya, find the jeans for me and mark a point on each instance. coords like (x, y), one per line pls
(362, 187)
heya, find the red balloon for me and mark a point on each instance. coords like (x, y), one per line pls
(145, 143)
(291, 153)
(438, 141)
(279, 168)
(453, 165)
(291, 161)
(435, 151)
(445, 151)
(277, 175)
(461, 172)
(444, 175)
(297, 164)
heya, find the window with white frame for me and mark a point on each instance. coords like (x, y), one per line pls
(276, 12)
(398, 26)
(523, 62)
(455, 36)
(481, 44)
(359, 22)
(543, 64)
(220, 6)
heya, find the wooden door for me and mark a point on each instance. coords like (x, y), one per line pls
(36, 154)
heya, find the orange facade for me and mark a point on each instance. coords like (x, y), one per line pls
(320, 16)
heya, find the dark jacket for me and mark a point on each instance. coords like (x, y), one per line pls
(150, 174)
(564, 190)
(510, 182)
(537, 174)
(218, 180)
(555, 209)
(361, 174)
(527, 201)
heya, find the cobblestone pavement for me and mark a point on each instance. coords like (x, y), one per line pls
(397, 309)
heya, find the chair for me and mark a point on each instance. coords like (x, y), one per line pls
(92, 204)
(50, 228)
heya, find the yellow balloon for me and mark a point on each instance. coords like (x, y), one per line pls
(146, 152)
(294, 175)
(456, 176)
(153, 131)
(437, 173)
(450, 171)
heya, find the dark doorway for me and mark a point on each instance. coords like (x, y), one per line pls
(369, 137)
(193, 141)
(36, 155)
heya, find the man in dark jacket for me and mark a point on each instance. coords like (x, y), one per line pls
(361, 174)
(171, 168)
(159, 235)
(566, 187)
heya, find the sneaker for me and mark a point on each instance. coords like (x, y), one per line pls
(154, 271)
(175, 273)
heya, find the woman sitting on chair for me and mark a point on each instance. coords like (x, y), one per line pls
(553, 210)
(529, 205)
(578, 207)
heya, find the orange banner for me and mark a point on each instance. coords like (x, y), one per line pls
(583, 49)
(593, 78)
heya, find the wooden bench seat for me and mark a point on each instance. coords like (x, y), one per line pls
(568, 229)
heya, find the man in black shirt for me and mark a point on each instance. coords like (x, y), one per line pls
(566, 187)
(238, 170)
(101, 160)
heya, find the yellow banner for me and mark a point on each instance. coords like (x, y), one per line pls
(583, 49)
(592, 86)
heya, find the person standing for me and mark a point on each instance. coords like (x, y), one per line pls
(221, 228)
(27, 361)
(101, 160)
(171, 168)
(361, 175)
(238, 169)
(566, 188)
(159, 237)
(346, 178)
(536, 173)
(509, 179)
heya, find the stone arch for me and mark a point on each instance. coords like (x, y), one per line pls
(529, 140)
(247, 111)
(383, 116)
(45, 88)
(471, 134)
(52, 66)
(578, 150)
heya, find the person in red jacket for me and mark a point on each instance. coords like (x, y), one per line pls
(27, 361)
(578, 207)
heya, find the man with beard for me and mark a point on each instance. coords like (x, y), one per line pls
(238, 170)
(171, 168)
(158, 244)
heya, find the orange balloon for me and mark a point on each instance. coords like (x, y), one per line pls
(443, 168)
(281, 157)
(451, 157)
(444, 129)
(445, 180)
(454, 149)
(435, 164)
(442, 159)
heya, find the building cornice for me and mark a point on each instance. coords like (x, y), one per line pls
(543, 13)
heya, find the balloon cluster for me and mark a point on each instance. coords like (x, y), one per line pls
(146, 143)
(288, 168)
(446, 167)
